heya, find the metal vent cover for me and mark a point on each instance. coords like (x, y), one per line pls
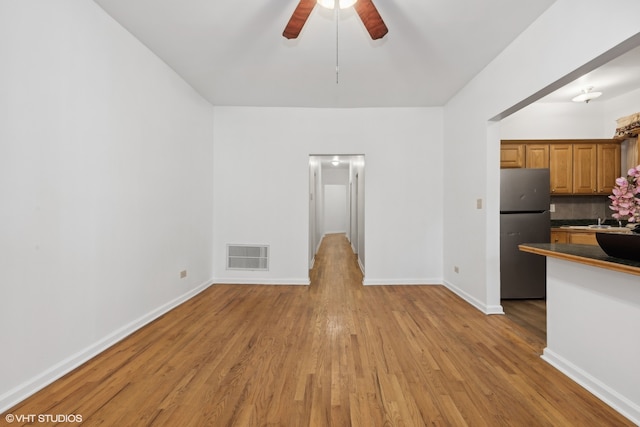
(247, 257)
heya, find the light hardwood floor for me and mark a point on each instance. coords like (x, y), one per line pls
(331, 354)
(531, 314)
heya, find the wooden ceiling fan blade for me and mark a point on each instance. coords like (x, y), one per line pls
(298, 18)
(371, 19)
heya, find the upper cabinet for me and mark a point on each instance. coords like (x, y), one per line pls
(576, 166)
(512, 156)
(561, 168)
(537, 156)
(584, 169)
(608, 167)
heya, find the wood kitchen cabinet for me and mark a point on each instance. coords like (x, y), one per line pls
(512, 156)
(561, 168)
(582, 238)
(559, 236)
(608, 167)
(537, 156)
(584, 168)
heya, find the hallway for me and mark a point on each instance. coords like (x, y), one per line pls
(331, 354)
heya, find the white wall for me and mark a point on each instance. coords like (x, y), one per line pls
(571, 120)
(585, 304)
(335, 208)
(336, 197)
(357, 220)
(561, 120)
(618, 107)
(544, 54)
(106, 189)
(261, 187)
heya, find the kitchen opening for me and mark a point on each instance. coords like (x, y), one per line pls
(572, 138)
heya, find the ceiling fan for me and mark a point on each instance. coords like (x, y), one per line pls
(366, 10)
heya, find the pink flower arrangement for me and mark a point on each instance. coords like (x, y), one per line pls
(625, 199)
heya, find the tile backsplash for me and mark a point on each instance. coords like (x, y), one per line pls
(581, 207)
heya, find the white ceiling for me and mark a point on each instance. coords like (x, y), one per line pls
(617, 77)
(233, 52)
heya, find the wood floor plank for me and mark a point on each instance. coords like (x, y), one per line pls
(335, 353)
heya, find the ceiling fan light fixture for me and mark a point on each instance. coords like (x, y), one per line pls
(331, 4)
(586, 95)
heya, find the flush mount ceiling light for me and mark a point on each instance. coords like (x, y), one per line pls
(335, 161)
(587, 95)
(331, 4)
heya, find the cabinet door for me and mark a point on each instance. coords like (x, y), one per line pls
(558, 236)
(583, 238)
(608, 167)
(584, 169)
(561, 167)
(512, 156)
(537, 156)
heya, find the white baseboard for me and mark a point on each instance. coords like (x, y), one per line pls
(609, 396)
(388, 282)
(361, 265)
(31, 386)
(318, 245)
(486, 309)
(261, 281)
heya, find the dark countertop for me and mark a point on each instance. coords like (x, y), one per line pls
(584, 254)
(560, 222)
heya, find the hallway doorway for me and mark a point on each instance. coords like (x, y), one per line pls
(336, 202)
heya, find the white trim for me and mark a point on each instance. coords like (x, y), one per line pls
(390, 282)
(31, 386)
(261, 281)
(360, 265)
(318, 245)
(596, 387)
(486, 309)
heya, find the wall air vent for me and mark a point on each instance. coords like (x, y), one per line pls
(247, 257)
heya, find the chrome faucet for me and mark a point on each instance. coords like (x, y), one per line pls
(599, 222)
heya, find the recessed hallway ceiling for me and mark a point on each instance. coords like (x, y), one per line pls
(233, 52)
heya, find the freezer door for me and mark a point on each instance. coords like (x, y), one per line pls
(523, 275)
(524, 190)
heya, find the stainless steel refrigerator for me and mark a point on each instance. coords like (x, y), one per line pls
(524, 218)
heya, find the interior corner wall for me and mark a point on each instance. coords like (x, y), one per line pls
(545, 53)
(570, 120)
(106, 189)
(620, 106)
(562, 120)
(261, 162)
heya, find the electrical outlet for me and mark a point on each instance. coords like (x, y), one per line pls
(552, 207)
(456, 269)
(479, 204)
(183, 274)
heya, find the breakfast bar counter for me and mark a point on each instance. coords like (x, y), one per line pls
(593, 321)
(585, 254)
